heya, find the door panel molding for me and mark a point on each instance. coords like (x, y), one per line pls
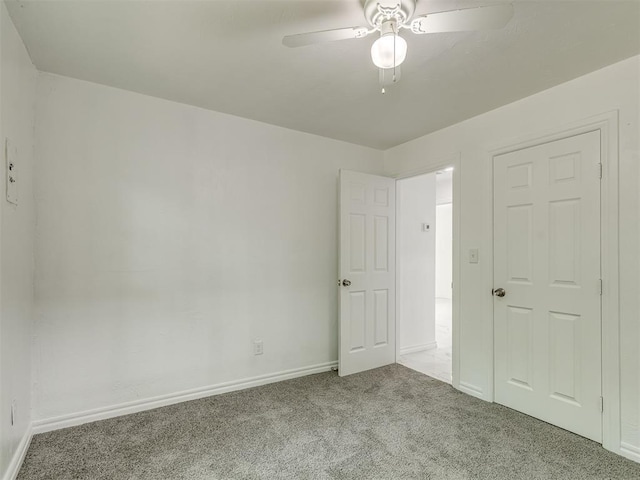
(548, 334)
(367, 272)
(607, 125)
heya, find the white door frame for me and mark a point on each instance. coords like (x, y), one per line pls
(451, 161)
(607, 125)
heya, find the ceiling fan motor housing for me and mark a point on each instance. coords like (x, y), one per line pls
(379, 11)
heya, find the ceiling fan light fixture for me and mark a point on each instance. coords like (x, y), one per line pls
(390, 16)
(389, 51)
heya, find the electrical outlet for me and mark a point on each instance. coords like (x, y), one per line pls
(258, 347)
(14, 412)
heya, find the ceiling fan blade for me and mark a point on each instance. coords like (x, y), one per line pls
(304, 39)
(478, 18)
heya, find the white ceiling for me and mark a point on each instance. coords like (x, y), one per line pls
(227, 56)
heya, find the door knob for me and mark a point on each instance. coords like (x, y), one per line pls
(499, 292)
(346, 283)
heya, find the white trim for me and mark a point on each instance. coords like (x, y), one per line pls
(73, 419)
(610, 264)
(472, 390)
(451, 160)
(18, 457)
(456, 278)
(487, 306)
(607, 124)
(629, 451)
(418, 348)
(398, 271)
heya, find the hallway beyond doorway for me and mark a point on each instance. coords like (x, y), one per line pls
(435, 362)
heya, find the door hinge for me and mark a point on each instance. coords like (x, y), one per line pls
(601, 405)
(599, 170)
(600, 286)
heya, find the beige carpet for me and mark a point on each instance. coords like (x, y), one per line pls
(388, 423)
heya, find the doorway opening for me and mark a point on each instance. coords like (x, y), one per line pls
(425, 273)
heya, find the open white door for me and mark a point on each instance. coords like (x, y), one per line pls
(547, 265)
(367, 272)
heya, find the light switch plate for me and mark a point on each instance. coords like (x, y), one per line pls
(473, 255)
(11, 161)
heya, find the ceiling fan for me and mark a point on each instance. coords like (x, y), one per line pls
(390, 16)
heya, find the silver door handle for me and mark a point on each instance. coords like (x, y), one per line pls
(499, 292)
(346, 283)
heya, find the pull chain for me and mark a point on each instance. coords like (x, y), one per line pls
(395, 34)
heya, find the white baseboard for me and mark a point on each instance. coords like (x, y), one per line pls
(73, 419)
(629, 451)
(471, 390)
(18, 456)
(40, 426)
(418, 348)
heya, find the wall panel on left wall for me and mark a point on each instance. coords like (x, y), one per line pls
(185, 235)
(17, 107)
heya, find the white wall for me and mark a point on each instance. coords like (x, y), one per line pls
(416, 259)
(444, 234)
(444, 250)
(169, 238)
(17, 97)
(613, 88)
(444, 186)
